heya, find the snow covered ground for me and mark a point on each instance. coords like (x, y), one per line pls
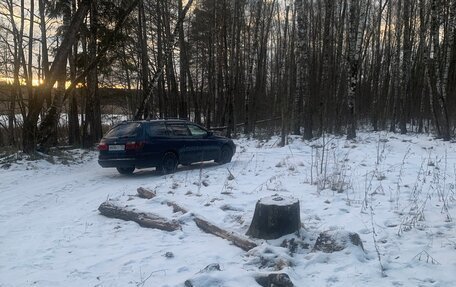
(396, 192)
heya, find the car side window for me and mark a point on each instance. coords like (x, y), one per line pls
(179, 129)
(123, 130)
(157, 130)
(196, 131)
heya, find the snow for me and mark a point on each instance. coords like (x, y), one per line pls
(278, 200)
(396, 192)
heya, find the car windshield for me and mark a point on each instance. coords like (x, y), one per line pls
(123, 130)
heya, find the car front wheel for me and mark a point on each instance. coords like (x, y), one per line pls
(125, 170)
(169, 163)
(225, 155)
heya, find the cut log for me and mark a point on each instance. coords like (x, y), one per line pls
(146, 193)
(176, 207)
(243, 243)
(274, 217)
(237, 239)
(149, 220)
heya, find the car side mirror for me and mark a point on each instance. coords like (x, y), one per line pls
(209, 134)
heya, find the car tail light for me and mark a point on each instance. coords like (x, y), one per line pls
(134, 145)
(102, 146)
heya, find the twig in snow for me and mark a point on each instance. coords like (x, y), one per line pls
(374, 234)
(424, 256)
(143, 281)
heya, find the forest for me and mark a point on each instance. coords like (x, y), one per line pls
(302, 67)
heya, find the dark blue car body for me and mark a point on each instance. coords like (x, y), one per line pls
(162, 144)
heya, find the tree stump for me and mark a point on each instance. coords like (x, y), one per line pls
(274, 217)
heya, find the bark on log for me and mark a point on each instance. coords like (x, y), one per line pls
(149, 220)
(243, 243)
(176, 207)
(146, 193)
(237, 239)
(274, 217)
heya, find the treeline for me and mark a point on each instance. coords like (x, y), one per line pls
(321, 66)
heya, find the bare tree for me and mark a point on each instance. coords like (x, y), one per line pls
(354, 42)
(302, 62)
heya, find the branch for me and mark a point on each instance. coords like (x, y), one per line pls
(159, 72)
(67, 43)
(110, 40)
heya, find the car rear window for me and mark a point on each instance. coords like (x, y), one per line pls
(123, 130)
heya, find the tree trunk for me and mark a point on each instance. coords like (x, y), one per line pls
(183, 60)
(48, 126)
(406, 69)
(168, 62)
(92, 124)
(434, 74)
(284, 79)
(253, 52)
(67, 43)
(74, 136)
(325, 82)
(144, 56)
(353, 61)
(302, 85)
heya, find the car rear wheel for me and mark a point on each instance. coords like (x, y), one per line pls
(225, 155)
(169, 163)
(125, 170)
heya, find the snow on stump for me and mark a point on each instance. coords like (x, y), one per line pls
(337, 240)
(274, 217)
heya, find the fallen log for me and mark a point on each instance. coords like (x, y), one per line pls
(243, 243)
(238, 240)
(176, 207)
(149, 220)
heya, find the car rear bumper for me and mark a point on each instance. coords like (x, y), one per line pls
(126, 162)
(117, 162)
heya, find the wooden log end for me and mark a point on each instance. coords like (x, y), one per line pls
(146, 193)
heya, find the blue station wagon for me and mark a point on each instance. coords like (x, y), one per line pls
(163, 144)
